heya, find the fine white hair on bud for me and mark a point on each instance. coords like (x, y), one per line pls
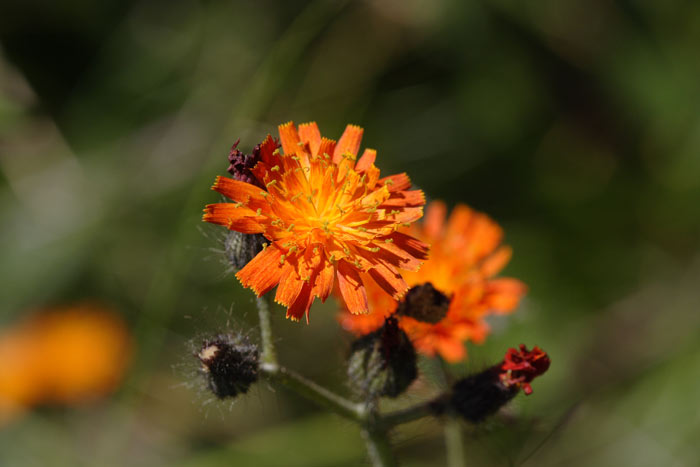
(229, 364)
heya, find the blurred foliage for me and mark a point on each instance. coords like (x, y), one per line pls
(576, 125)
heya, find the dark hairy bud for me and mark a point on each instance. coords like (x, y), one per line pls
(382, 363)
(424, 303)
(241, 248)
(229, 364)
(478, 396)
(483, 394)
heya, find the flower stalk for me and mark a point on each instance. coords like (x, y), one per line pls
(314, 392)
(454, 446)
(378, 447)
(269, 355)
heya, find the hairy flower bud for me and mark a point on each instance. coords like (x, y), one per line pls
(382, 363)
(424, 303)
(483, 394)
(241, 248)
(229, 364)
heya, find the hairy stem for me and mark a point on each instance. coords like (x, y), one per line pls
(314, 392)
(269, 355)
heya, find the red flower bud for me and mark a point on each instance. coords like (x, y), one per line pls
(520, 367)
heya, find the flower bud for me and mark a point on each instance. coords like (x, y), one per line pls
(229, 364)
(241, 248)
(520, 367)
(483, 394)
(424, 303)
(382, 363)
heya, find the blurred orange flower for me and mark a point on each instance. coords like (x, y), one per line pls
(326, 215)
(464, 258)
(61, 356)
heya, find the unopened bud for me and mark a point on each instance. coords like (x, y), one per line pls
(229, 364)
(241, 248)
(382, 363)
(424, 303)
(483, 394)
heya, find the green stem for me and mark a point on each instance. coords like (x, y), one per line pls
(378, 447)
(453, 442)
(453, 430)
(406, 415)
(314, 392)
(269, 355)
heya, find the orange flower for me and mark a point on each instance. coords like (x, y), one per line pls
(61, 356)
(464, 257)
(325, 215)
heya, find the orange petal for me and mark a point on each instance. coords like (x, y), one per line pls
(240, 219)
(412, 245)
(485, 235)
(503, 295)
(366, 161)
(327, 147)
(434, 219)
(301, 305)
(389, 279)
(323, 286)
(290, 285)
(408, 215)
(497, 261)
(351, 288)
(452, 350)
(349, 142)
(289, 138)
(397, 256)
(250, 195)
(263, 272)
(267, 148)
(372, 173)
(396, 182)
(310, 134)
(405, 198)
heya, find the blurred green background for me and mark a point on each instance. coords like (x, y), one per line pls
(575, 124)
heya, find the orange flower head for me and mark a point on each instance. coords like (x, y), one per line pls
(61, 356)
(326, 214)
(464, 258)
